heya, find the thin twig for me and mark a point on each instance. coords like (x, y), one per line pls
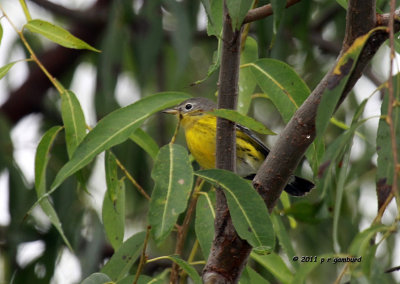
(133, 181)
(143, 257)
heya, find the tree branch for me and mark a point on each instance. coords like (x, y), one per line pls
(300, 131)
(229, 253)
(263, 12)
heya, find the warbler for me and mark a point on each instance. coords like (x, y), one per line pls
(200, 132)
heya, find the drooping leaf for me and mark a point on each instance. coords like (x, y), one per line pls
(4, 70)
(385, 165)
(173, 177)
(123, 259)
(74, 121)
(306, 268)
(214, 10)
(250, 276)
(280, 82)
(337, 82)
(1, 33)
(274, 264)
(96, 278)
(57, 35)
(247, 83)
(243, 120)
(237, 11)
(204, 222)
(113, 211)
(145, 141)
(115, 128)
(187, 268)
(248, 211)
(278, 6)
(41, 161)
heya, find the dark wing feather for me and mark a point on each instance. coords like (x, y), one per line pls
(254, 138)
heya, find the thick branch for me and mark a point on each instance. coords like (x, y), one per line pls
(300, 131)
(229, 253)
(263, 12)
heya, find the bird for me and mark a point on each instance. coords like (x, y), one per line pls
(200, 132)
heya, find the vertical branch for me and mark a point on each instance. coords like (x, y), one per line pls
(228, 253)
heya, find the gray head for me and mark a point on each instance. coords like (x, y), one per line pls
(193, 106)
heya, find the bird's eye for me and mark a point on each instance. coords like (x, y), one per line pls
(188, 106)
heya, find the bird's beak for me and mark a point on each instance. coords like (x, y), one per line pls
(171, 111)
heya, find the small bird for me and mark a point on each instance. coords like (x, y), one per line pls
(200, 132)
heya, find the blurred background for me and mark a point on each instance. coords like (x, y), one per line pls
(149, 47)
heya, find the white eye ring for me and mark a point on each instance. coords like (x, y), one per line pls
(188, 106)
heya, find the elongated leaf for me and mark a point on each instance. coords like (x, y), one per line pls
(250, 276)
(57, 35)
(278, 6)
(113, 211)
(283, 86)
(274, 264)
(1, 33)
(247, 83)
(204, 222)
(385, 169)
(336, 85)
(173, 177)
(41, 161)
(246, 121)
(145, 141)
(283, 235)
(214, 10)
(114, 129)
(96, 278)
(237, 11)
(187, 267)
(123, 259)
(306, 268)
(74, 121)
(4, 70)
(248, 211)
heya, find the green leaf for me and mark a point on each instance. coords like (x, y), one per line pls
(123, 259)
(145, 141)
(243, 120)
(74, 121)
(305, 211)
(187, 268)
(237, 11)
(57, 35)
(96, 278)
(283, 236)
(113, 211)
(4, 70)
(114, 129)
(248, 211)
(250, 276)
(340, 75)
(278, 6)
(280, 82)
(385, 165)
(214, 10)
(274, 264)
(204, 222)
(306, 268)
(173, 178)
(1, 33)
(41, 162)
(362, 241)
(247, 83)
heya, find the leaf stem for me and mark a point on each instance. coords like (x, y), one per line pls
(25, 9)
(143, 257)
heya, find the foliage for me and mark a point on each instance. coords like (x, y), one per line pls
(326, 234)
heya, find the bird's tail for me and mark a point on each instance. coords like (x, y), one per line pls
(298, 186)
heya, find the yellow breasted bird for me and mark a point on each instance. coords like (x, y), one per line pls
(200, 132)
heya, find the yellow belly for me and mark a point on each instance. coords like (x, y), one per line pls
(200, 138)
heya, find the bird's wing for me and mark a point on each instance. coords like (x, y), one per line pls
(253, 138)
